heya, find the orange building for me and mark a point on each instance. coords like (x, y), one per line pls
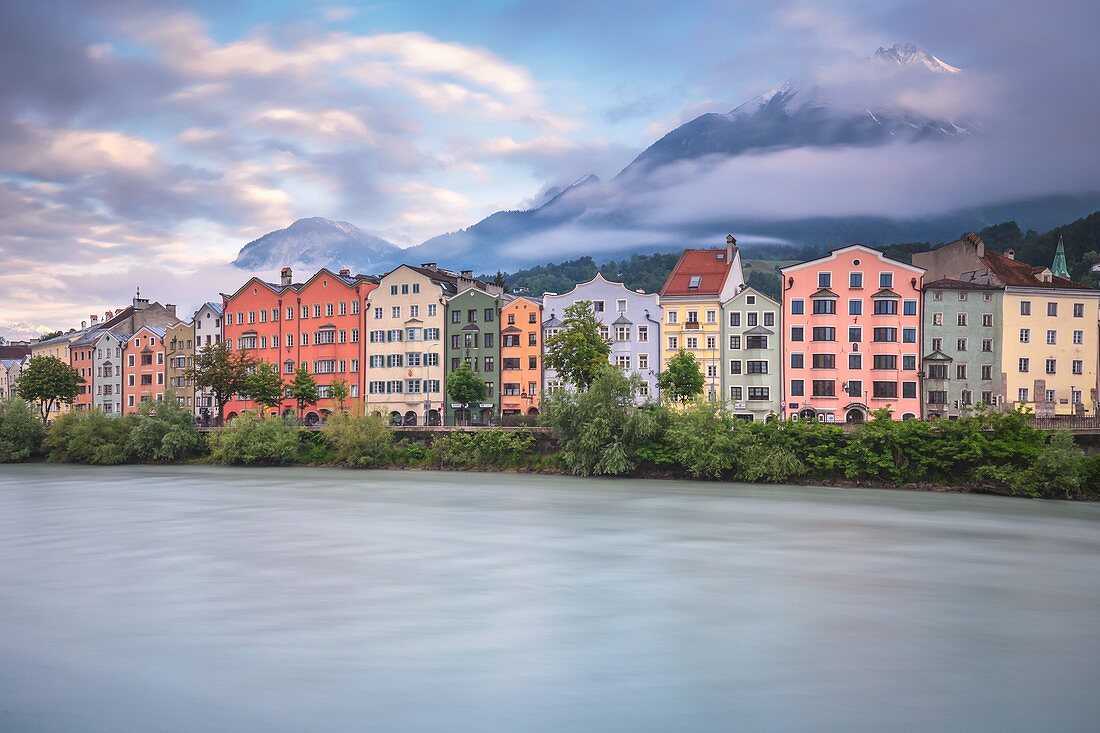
(521, 357)
(318, 324)
(143, 368)
(81, 358)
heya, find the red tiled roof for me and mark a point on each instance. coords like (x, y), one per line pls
(1014, 272)
(948, 283)
(14, 352)
(703, 263)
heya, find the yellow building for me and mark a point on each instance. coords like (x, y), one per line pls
(58, 347)
(691, 307)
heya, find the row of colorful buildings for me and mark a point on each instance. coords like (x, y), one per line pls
(853, 332)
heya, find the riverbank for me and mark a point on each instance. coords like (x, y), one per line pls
(997, 453)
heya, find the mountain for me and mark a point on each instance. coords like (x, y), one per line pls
(800, 113)
(317, 242)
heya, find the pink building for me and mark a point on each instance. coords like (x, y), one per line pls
(851, 336)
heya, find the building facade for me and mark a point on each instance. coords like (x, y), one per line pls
(852, 336)
(179, 341)
(108, 361)
(963, 329)
(207, 321)
(81, 358)
(521, 357)
(473, 337)
(1050, 342)
(10, 369)
(143, 369)
(630, 320)
(691, 305)
(752, 383)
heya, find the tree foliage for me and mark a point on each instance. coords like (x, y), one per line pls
(89, 436)
(360, 442)
(248, 440)
(340, 392)
(222, 371)
(578, 352)
(303, 389)
(21, 431)
(47, 381)
(164, 432)
(465, 386)
(265, 386)
(682, 381)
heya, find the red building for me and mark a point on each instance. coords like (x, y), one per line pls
(318, 324)
(143, 368)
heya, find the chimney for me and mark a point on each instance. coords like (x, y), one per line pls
(976, 242)
(140, 303)
(731, 247)
(287, 275)
(108, 315)
(468, 274)
(83, 325)
(1010, 254)
(345, 272)
(429, 265)
(171, 308)
(95, 318)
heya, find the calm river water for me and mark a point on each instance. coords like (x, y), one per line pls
(206, 599)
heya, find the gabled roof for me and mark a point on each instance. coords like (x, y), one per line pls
(622, 320)
(1013, 272)
(832, 255)
(14, 352)
(759, 331)
(938, 356)
(511, 329)
(551, 322)
(824, 293)
(698, 272)
(886, 293)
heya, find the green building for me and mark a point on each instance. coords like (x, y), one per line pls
(962, 347)
(473, 336)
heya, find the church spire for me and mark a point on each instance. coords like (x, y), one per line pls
(1059, 267)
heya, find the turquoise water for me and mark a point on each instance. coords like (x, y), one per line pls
(207, 599)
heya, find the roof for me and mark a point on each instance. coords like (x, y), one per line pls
(1013, 272)
(14, 352)
(216, 308)
(698, 272)
(947, 283)
(622, 320)
(833, 254)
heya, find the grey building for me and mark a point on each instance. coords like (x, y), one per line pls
(752, 355)
(208, 332)
(107, 363)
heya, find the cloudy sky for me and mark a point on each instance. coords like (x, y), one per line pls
(142, 143)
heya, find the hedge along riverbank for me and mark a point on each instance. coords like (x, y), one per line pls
(598, 433)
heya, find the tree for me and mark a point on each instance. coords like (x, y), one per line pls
(340, 392)
(498, 280)
(465, 386)
(21, 431)
(265, 387)
(682, 381)
(579, 351)
(303, 389)
(164, 432)
(222, 371)
(48, 381)
(50, 335)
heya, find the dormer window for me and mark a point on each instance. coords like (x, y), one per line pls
(693, 284)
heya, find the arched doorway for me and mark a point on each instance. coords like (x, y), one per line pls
(433, 417)
(854, 416)
(808, 413)
(410, 418)
(325, 415)
(231, 417)
(908, 416)
(533, 411)
(312, 419)
(288, 413)
(395, 418)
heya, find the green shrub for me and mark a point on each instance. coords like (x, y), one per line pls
(89, 436)
(164, 433)
(250, 440)
(21, 431)
(770, 464)
(484, 448)
(1058, 469)
(704, 441)
(360, 442)
(1092, 476)
(415, 455)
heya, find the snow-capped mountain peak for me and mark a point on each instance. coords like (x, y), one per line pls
(907, 54)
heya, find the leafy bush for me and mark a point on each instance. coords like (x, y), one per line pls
(1058, 469)
(484, 448)
(770, 464)
(164, 433)
(89, 436)
(249, 440)
(704, 440)
(21, 431)
(360, 442)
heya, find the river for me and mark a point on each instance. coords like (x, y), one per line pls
(209, 599)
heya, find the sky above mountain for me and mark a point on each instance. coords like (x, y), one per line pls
(142, 143)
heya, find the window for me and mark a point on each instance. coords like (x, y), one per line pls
(798, 333)
(1078, 310)
(769, 319)
(1051, 396)
(987, 373)
(855, 307)
(1052, 366)
(1021, 395)
(623, 362)
(1025, 335)
(414, 311)
(960, 319)
(597, 306)
(909, 390)
(886, 280)
(712, 317)
(1078, 337)
(756, 342)
(1052, 336)
(431, 314)
(735, 366)
(735, 393)
(987, 345)
(960, 344)
(881, 335)
(966, 397)
(672, 317)
(691, 342)
(735, 318)
(824, 388)
(855, 361)
(643, 361)
(327, 336)
(1024, 365)
(673, 343)
(798, 361)
(824, 361)
(937, 319)
(824, 279)
(798, 307)
(1052, 309)
(937, 397)
(1075, 396)
(885, 390)
(855, 334)
(886, 307)
(489, 315)
(937, 295)
(750, 299)
(909, 335)
(456, 316)
(1025, 310)
(759, 393)
(824, 306)
(987, 320)
(489, 364)
(798, 388)
(757, 366)
(909, 362)
(824, 333)
(909, 307)
(643, 334)
(693, 317)
(962, 296)
(377, 312)
(855, 279)
(885, 361)
(1077, 367)
(751, 318)
(712, 343)
(960, 371)
(620, 306)
(937, 371)
(735, 342)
